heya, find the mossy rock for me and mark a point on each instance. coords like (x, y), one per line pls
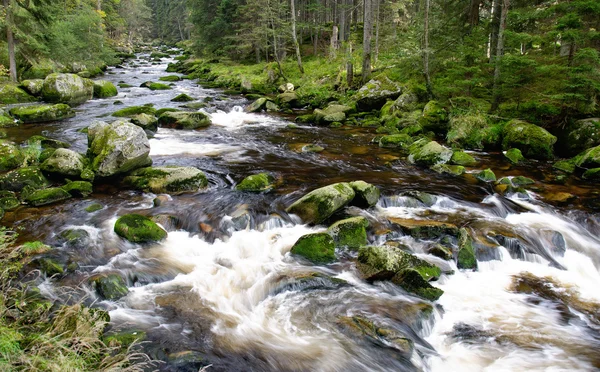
(124, 85)
(374, 94)
(139, 229)
(11, 156)
(11, 94)
(399, 141)
(7, 121)
(317, 247)
(169, 78)
(46, 143)
(365, 194)
(533, 141)
(425, 229)
(580, 135)
(75, 238)
(474, 132)
(104, 89)
(131, 111)
(124, 339)
(184, 120)
(429, 154)
(67, 88)
(110, 287)
(148, 123)
(515, 156)
(161, 111)
(466, 253)
(589, 158)
(155, 86)
(17, 179)
(8, 201)
(434, 118)
(305, 119)
(462, 158)
(94, 207)
(42, 113)
(412, 281)
(33, 86)
(318, 205)
(191, 106)
(288, 99)
(486, 175)
(332, 113)
(312, 148)
(272, 107)
(453, 170)
(47, 196)
(351, 232)
(170, 179)
(257, 183)
(49, 266)
(440, 251)
(521, 181)
(183, 98)
(78, 188)
(64, 162)
(566, 166)
(257, 105)
(592, 174)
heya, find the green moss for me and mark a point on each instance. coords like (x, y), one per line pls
(514, 156)
(7, 121)
(104, 89)
(134, 110)
(412, 281)
(473, 131)
(9, 203)
(592, 174)
(124, 339)
(351, 232)
(34, 248)
(183, 98)
(320, 204)
(466, 254)
(49, 266)
(317, 247)
(78, 188)
(184, 120)
(169, 78)
(533, 141)
(486, 175)
(47, 196)
(384, 262)
(167, 179)
(42, 113)
(139, 229)
(156, 86)
(401, 141)
(11, 94)
(429, 154)
(434, 118)
(462, 158)
(365, 194)
(11, 156)
(161, 111)
(94, 207)
(17, 179)
(256, 183)
(454, 170)
(110, 287)
(440, 251)
(522, 181)
(566, 166)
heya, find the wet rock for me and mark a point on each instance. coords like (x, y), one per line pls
(42, 113)
(49, 266)
(401, 141)
(47, 196)
(6, 121)
(116, 148)
(94, 207)
(592, 174)
(169, 179)
(514, 156)
(440, 251)
(429, 154)
(581, 135)
(124, 340)
(424, 228)
(131, 111)
(139, 229)
(46, 143)
(462, 158)
(8, 201)
(33, 86)
(168, 222)
(434, 118)
(560, 197)
(67, 88)
(473, 131)
(11, 156)
(406, 102)
(374, 94)
(169, 78)
(521, 181)
(318, 205)
(332, 113)
(183, 98)
(365, 194)
(287, 99)
(155, 86)
(257, 105)
(104, 89)
(17, 179)
(184, 120)
(486, 175)
(11, 94)
(161, 200)
(64, 162)
(317, 248)
(533, 141)
(149, 123)
(351, 232)
(412, 281)
(312, 148)
(380, 335)
(75, 238)
(454, 170)
(257, 183)
(566, 166)
(110, 286)
(466, 253)
(78, 188)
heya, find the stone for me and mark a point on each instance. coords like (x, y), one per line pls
(430, 154)
(374, 94)
(6, 121)
(42, 113)
(139, 229)
(287, 87)
(47, 196)
(521, 181)
(462, 158)
(332, 113)
(11, 94)
(169, 78)
(581, 135)
(424, 229)
(149, 123)
(412, 281)
(533, 141)
(49, 266)
(78, 188)
(271, 107)
(169, 179)
(312, 148)
(350, 232)
(440, 251)
(434, 118)
(317, 247)
(184, 120)
(19, 178)
(406, 102)
(399, 141)
(75, 238)
(592, 174)
(46, 143)
(67, 88)
(8, 201)
(11, 156)
(33, 86)
(381, 336)
(155, 86)
(560, 197)
(514, 156)
(110, 286)
(94, 207)
(115, 148)
(466, 253)
(257, 183)
(453, 170)
(287, 99)
(566, 166)
(318, 205)
(183, 98)
(474, 132)
(131, 111)
(257, 105)
(64, 162)
(104, 89)
(486, 175)
(365, 194)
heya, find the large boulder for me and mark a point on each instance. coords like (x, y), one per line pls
(473, 131)
(104, 89)
(320, 204)
(170, 179)
(11, 93)
(119, 147)
(434, 118)
(533, 141)
(33, 86)
(365, 194)
(580, 135)
(11, 156)
(374, 94)
(67, 88)
(64, 162)
(332, 113)
(139, 229)
(19, 178)
(431, 153)
(184, 120)
(589, 158)
(42, 113)
(317, 247)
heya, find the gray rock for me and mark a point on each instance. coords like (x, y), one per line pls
(67, 88)
(64, 162)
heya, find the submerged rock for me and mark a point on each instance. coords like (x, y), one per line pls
(184, 120)
(42, 113)
(514, 156)
(386, 337)
(169, 179)
(533, 141)
(104, 89)
(256, 183)
(110, 287)
(11, 156)
(64, 162)
(67, 88)
(139, 229)
(320, 204)
(351, 232)
(317, 247)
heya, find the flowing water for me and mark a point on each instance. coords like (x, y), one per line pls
(223, 290)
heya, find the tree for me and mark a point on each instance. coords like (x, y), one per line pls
(367, 34)
(10, 41)
(295, 38)
(499, 54)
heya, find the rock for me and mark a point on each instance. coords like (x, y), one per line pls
(49, 266)
(124, 340)
(6, 121)
(169, 179)
(533, 141)
(486, 175)
(155, 86)
(331, 113)
(184, 120)
(430, 154)
(257, 105)
(64, 162)
(401, 141)
(514, 156)
(271, 107)
(149, 123)
(131, 111)
(434, 118)
(317, 247)
(318, 205)
(161, 200)
(183, 98)
(119, 147)
(11, 94)
(46, 143)
(312, 148)
(440, 251)
(139, 229)
(566, 166)
(466, 253)
(104, 89)
(287, 99)
(462, 158)
(351, 232)
(424, 229)
(589, 158)
(287, 87)
(592, 174)
(67, 88)
(374, 94)
(94, 207)
(169, 78)
(257, 183)
(521, 181)
(75, 238)
(365, 194)
(454, 170)
(473, 131)
(560, 197)
(33, 86)
(42, 113)
(406, 102)
(380, 336)
(8, 201)
(581, 135)
(11, 156)
(17, 179)
(78, 188)
(47, 196)
(110, 287)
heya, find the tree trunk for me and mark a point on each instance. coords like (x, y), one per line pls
(10, 40)
(294, 37)
(342, 21)
(378, 2)
(426, 50)
(499, 54)
(349, 66)
(334, 44)
(367, 34)
(474, 13)
(495, 26)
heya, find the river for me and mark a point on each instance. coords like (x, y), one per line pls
(223, 291)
